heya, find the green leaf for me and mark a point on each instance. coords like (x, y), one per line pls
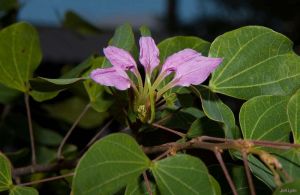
(20, 55)
(293, 111)
(204, 126)
(20, 190)
(288, 188)
(5, 173)
(216, 110)
(257, 61)
(75, 22)
(109, 165)
(183, 174)
(80, 68)
(145, 31)
(40, 96)
(69, 109)
(46, 136)
(265, 118)
(47, 85)
(290, 161)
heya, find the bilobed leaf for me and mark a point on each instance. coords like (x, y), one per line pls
(20, 190)
(288, 188)
(293, 111)
(20, 55)
(256, 61)
(216, 110)
(5, 173)
(109, 165)
(265, 118)
(183, 174)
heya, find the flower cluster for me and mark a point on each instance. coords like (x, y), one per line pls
(189, 68)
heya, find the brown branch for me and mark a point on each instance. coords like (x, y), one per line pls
(43, 168)
(225, 171)
(33, 154)
(148, 185)
(248, 173)
(63, 142)
(168, 129)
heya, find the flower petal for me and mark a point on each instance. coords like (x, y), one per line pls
(177, 59)
(113, 76)
(119, 58)
(149, 54)
(195, 71)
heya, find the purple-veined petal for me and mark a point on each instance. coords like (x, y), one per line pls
(120, 58)
(177, 59)
(149, 54)
(195, 71)
(113, 76)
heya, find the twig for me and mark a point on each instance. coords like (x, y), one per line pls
(33, 154)
(248, 174)
(168, 129)
(148, 185)
(47, 179)
(43, 168)
(225, 171)
(63, 142)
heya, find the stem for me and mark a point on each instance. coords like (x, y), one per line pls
(59, 151)
(147, 183)
(168, 129)
(33, 153)
(159, 79)
(152, 101)
(139, 79)
(248, 174)
(47, 179)
(225, 171)
(165, 89)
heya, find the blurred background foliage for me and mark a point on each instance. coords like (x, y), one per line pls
(73, 31)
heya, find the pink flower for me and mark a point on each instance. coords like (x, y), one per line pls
(148, 54)
(112, 76)
(189, 66)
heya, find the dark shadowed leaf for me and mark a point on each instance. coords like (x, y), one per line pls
(20, 190)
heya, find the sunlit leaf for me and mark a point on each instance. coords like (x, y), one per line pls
(256, 61)
(265, 118)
